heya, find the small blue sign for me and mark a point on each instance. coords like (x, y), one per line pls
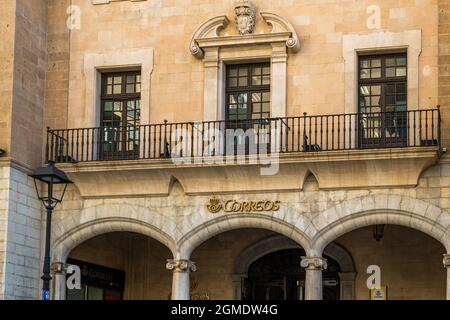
(45, 295)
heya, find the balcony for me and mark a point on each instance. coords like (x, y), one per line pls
(288, 135)
(389, 149)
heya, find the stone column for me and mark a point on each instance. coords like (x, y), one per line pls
(313, 281)
(180, 280)
(59, 280)
(347, 285)
(446, 262)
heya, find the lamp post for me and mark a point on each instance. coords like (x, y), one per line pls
(50, 176)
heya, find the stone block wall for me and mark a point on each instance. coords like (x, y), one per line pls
(20, 236)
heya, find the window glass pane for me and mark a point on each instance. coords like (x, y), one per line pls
(232, 72)
(73, 294)
(365, 90)
(390, 100)
(95, 293)
(375, 101)
(243, 82)
(243, 72)
(109, 90)
(257, 71)
(390, 72)
(266, 80)
(130, 79)
(266, 107)
(401, 99)
(130, 88)
(232, 109)
(130, 105)
(365, 73)
(390, 89)
(376, 73)
(401, 88)
(376, 63)
(401, 72)
(109, 80)
(257, 107)
(256, 80)
(117, 89)
(266, 70)
(138, 88)
(256, 116)
(266, 96)
(365, 63)
(138, 78)
(376, 89)
(401, 61)
(108, 106)
(390, 62)
(256, 97)
(232, 98)
(242, 98)
(232, 82)
(117, 80)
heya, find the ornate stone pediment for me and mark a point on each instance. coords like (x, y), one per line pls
(208, 33)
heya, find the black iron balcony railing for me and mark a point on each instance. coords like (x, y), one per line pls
(418, 128)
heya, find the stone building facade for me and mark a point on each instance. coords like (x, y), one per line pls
(133, 100)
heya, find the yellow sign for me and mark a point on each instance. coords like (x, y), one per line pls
(380, 293)
(232, 206)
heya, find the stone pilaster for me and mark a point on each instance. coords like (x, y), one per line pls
(446, 262)
(180, 281)
(347, 285)
(313, 281)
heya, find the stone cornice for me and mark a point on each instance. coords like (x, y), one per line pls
(355, 169)
(239, 40)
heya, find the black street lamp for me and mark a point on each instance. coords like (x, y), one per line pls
(50, 176)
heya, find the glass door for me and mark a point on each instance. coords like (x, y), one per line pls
(383, 101)
(247, 108)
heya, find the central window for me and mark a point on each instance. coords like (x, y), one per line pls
(248, 107)
(247, 94)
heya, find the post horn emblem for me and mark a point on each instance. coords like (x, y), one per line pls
(214, 205)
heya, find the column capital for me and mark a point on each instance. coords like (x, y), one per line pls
(181, 265)
(446, 261)
(58, 268)
(314, 263)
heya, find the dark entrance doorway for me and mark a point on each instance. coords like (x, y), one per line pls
(278, 276)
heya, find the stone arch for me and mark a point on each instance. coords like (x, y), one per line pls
(278, 243)
(71, 232)
(381, 209)
(207, 230)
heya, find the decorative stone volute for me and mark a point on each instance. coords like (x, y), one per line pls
(314, 263)
(245, 16)
(181, 266)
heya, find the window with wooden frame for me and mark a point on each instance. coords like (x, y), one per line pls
(248, 102)
(383, 99)
(120, 114)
